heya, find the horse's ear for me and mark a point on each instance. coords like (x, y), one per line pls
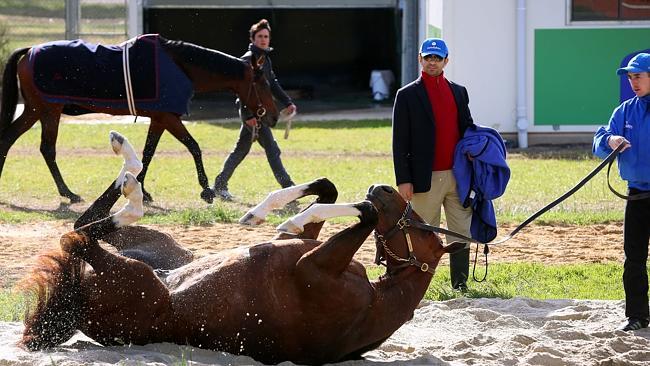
(454, 247)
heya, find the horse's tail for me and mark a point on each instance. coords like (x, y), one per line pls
(58, 304)
(10, 88)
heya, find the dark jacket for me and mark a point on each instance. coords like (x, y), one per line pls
(276, 89)
(483, 179)
(414, 132)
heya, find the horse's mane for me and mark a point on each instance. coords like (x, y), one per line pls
(205, 58)
(55, 284)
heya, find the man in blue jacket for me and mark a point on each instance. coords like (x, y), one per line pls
(430, 116)
(630, 125)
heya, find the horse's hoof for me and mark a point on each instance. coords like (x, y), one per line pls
(250, 219)
(116, 141)
(74, 198)
(290, 227)
(146, 197)
(207, 195)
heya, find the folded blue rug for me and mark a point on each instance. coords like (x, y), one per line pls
(78, 74)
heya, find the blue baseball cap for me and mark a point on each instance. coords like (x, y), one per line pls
(434, 46)
(638, 63)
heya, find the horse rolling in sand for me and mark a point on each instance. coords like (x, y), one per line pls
(292, 298)
(52, 84)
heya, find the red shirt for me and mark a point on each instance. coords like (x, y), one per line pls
(445, 114)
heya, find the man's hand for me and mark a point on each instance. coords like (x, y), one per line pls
(615, 140)
(251, 122)
(406, 191)
(291, 109)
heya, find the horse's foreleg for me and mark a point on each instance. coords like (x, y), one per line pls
(176, 128)
(49, 134)
(153, 137)
(334, 255)
(322, 187)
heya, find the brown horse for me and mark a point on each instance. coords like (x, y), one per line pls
(208, 70)
(290, 298)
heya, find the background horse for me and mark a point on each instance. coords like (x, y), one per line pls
(316, 305)
(207, 70)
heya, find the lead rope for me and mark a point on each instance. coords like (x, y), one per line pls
(609, 160)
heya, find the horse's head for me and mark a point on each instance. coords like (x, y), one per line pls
(402, 236)
(258, 97)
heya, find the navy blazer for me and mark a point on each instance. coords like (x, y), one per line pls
(414, 132)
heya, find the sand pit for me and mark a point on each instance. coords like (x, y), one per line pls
(455, 332)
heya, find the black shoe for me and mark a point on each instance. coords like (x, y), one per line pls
(634, 324)
(461, 287)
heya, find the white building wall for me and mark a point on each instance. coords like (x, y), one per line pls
(481, 39)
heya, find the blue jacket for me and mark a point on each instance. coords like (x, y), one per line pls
(483, 179)
(631, 120)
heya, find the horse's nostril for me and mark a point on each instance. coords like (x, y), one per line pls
(387, 189)
(371, 188)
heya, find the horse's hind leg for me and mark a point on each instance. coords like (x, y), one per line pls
(174, 125)
(12, 132)
(128, 302)
(103, 204)
(49, 134)
(153, 137)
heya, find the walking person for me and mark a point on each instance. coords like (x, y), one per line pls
(630, 125)
(252, 129)
(430, 116)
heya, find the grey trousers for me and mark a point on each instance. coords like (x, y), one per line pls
(243, 146)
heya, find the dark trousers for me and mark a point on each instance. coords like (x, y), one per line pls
(636, 235)
(243, 146)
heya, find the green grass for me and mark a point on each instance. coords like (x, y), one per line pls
(532, 280)
(353, 154)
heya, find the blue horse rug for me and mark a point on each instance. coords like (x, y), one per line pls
(78, 74)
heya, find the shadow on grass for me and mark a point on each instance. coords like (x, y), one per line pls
(63, 212)
(565, 152)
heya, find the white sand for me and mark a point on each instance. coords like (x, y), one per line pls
(456, 332)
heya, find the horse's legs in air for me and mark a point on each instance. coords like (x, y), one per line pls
(334, 255)
(50, 122)
(322, 187)
(127, 303)
(174, 125)
(156, 130)
(103, 204)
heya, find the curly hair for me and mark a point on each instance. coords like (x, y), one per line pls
(262, 24)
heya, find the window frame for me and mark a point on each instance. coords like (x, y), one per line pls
(569, 21)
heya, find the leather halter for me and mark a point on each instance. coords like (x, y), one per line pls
(403, 224)
(260, 111)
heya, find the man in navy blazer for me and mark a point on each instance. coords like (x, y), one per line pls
(430, 116)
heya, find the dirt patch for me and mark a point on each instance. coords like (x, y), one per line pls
(535, 244)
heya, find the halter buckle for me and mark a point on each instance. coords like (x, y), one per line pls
(424, 267)
(261, 111)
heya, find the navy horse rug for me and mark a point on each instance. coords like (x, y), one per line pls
(77, 74)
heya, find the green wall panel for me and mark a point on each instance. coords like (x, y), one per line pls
(575, 73)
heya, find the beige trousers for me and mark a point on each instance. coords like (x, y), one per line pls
(443, 194)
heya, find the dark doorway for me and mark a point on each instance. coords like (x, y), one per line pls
(319, 53)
